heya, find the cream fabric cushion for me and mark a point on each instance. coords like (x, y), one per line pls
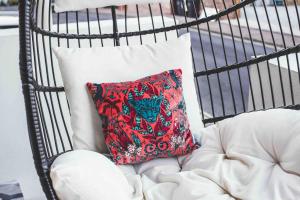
(87, 175)
(74, 5)
(117, 64)
(252, 156)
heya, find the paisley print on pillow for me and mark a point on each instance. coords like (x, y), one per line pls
(144, 119)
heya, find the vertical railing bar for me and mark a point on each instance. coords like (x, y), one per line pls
(289, 23)
(67, 28)
(50, 113)
(297, 55)
(125, 14)
(152, 21)
(226, 62)
(68, 45)
(297, 13)
(245, 55)
(163, 20)
(174, 18)
(42, 82)
(34, 56)
(193, 59)
(282, 36)
(185, 17)
(288, 62)
(196, 79)
(99, 25)
(139, 23)
(54, 79)
(268, 65)
(45, 132)
(115, 26)
(77, 27)
(53, 120)
(41, 111)
(58, 43)
(57, 28)
(208, 78)
(89, 26)
(44, 125)
(235, 55)
(215, 62)
(48, 77)
(275, 47)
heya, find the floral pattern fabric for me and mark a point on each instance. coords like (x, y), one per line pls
(144, 119)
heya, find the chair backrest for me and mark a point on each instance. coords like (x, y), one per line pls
(245, 57)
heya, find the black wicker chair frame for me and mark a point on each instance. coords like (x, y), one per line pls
(224, 54)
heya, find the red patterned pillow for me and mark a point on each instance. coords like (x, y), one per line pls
(144, 119)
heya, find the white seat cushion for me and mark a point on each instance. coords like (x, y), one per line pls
(86, 175)
(252, 156)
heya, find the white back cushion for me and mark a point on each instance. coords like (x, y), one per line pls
(118, 64)
(73, 5)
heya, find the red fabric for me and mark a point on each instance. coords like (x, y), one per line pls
(144, 119)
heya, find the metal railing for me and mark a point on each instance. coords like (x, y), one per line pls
(8, 26)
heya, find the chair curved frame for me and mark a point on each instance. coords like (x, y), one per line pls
(221, 86)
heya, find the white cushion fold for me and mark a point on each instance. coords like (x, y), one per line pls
(75, 5)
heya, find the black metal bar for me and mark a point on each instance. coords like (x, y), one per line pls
(115, 26)
(99, 25)
(40, 70)
(282, 37)
(125, 16)
(174, 18)
(217, 119)
(283, 52)
(44, 131)
(297, 56)
(139, 23)
(268, 67)
(245, 55)
(8, 26)
(215, 63)
(236, 60)
(153, 28)
(163, 20)
(67, 28)
(196, 80)
(77, 27)
(143, 32)
(51, 102)
(288, 64)
(226, 63)
(275, 47)
(34, 128)
(54, 81)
